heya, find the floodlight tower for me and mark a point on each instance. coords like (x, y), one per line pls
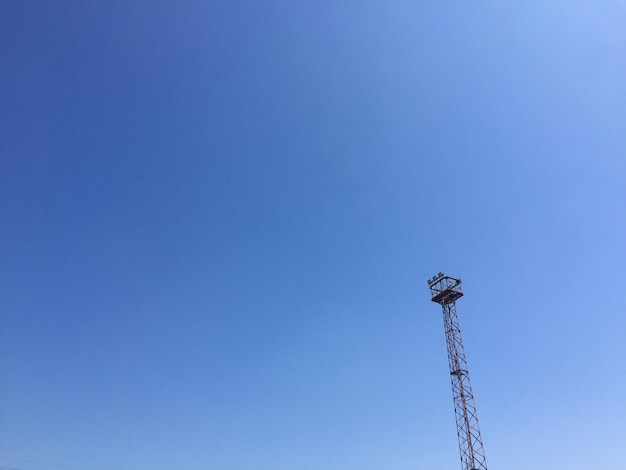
(445, 291)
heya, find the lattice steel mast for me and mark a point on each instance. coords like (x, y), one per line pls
(445, 291)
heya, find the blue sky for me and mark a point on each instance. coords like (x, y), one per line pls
(218, 219)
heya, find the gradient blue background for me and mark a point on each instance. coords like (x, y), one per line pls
(218, 218)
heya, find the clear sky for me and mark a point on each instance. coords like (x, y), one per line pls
(218, 219)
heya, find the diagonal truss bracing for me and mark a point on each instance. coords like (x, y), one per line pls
(468, 431)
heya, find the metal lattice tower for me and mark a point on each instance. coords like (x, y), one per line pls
(445, 291)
